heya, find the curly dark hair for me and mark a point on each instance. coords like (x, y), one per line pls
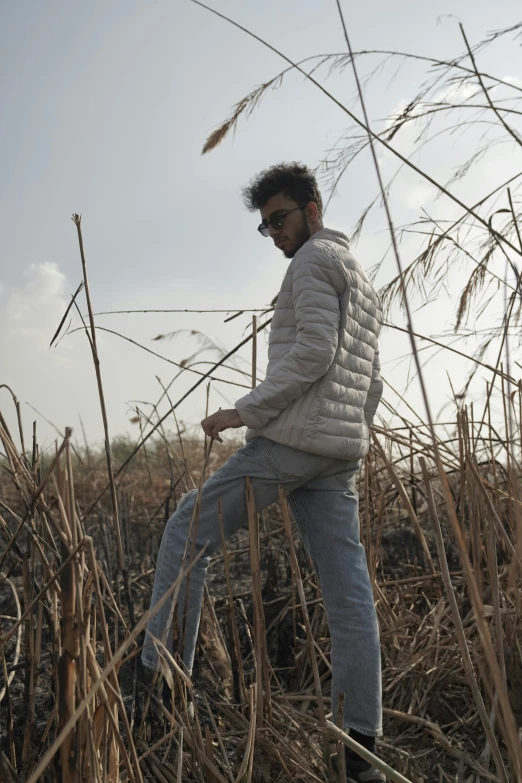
(295, 180)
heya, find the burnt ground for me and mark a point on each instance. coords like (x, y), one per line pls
(397, 556)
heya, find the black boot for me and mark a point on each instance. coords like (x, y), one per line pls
(357, 769)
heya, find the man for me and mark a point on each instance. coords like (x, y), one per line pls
(307, 430)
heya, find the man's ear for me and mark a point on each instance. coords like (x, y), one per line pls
(312, 212)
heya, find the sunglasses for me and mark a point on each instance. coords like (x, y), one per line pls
(276, 220)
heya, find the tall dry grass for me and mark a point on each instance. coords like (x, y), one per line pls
(447, 595)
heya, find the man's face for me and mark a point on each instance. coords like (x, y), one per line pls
(294, 231)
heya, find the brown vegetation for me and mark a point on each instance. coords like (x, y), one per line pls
(69, 651)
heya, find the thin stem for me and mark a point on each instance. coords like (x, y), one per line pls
(114, 500)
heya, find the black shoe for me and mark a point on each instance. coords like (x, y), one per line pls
(357, 769)
(368, 775)
(360, 771)
(145, 683)
(166, 697)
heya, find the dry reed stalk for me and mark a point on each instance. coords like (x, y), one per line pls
(216, 627)
(12, 538)
(6, 692)
(509, 458)
(366, 526)
(7, 770)
(67, 668)
(188, 556)
(260, 654)
(180, 756)
(205, 440)
(501, 770)
(9, 675)
(169, 665)
(412, 475)
(491, 549)
(248, 758)
(191, 539)
(69, 665)
(202, 754)
(512, 483)
(341, 758)
(105, 710)
(209, 749)
(219, 740)
(235, 650)
(29, 660)
(406, 502)
(96, 359)
(254, 351)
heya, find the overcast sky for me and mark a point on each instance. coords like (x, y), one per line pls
(105, 108)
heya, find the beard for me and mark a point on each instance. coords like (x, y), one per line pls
(303, 236)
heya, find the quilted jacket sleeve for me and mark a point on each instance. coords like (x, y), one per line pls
(317, 284)
(375, 390)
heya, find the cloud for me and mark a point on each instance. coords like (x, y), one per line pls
(455, 93)
(51, 380)
(34, 309)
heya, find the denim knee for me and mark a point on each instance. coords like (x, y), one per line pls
(185, 504)
(192, 493)
(182, 526)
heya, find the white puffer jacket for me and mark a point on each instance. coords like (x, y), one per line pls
(322, 384)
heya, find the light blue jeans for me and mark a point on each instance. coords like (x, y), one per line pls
(324, 502)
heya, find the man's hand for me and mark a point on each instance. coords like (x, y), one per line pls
(221, 420)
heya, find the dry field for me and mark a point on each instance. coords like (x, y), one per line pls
(445, 566)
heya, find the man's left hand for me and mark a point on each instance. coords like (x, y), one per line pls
(221, 420)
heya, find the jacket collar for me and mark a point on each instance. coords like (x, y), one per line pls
(333, 236)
